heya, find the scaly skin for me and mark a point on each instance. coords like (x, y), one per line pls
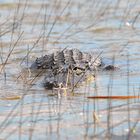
(63, 65)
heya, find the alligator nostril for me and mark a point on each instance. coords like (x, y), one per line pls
(110, 67)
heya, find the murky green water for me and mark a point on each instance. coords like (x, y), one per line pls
(30, 29)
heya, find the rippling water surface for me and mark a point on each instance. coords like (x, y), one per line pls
(29, 29)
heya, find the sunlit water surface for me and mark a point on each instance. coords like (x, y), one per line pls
(27, 111)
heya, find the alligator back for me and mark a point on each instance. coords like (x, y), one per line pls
(68, 67)
(66, 58)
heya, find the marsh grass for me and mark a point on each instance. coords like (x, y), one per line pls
(36, 115)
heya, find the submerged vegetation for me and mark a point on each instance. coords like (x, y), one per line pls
(105, 106)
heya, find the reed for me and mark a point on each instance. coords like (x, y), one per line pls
(95, 110)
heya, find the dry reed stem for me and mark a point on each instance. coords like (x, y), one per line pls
(113, 97)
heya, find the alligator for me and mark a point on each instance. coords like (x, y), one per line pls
(69, 67)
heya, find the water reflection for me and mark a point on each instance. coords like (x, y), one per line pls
(108, 26)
